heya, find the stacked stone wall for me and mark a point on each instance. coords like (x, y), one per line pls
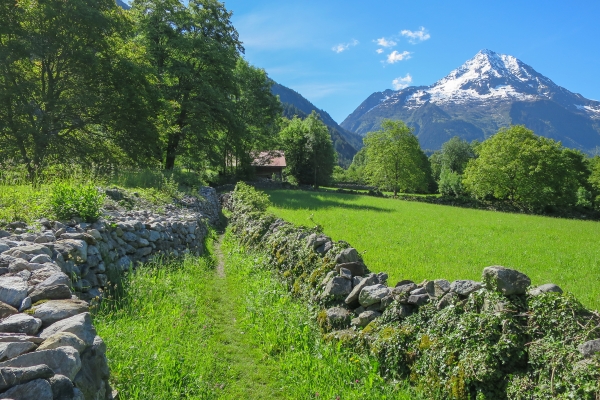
(49, 348)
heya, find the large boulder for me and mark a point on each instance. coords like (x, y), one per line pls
(80, 325)
(16, 376)
(38, 389)
(373, 294)
(13, 289)
(21, 323)
(505, 280)
(55, 310)
(357, 268)
(63, 360)
(338, 318)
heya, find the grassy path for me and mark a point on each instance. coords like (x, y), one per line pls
(221, 327)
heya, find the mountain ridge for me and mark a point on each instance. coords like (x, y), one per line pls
(487, 92)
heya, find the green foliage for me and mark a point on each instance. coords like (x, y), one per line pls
(455, 154)
(394, 159)
(528, 170)
(417, 241)
(450, 183)
(250, 199)
(309, 152)
(69, 200)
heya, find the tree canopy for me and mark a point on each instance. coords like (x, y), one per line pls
(394, 159)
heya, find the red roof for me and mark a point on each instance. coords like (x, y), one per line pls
(273, 158)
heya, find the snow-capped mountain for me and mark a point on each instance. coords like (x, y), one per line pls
(487, 92)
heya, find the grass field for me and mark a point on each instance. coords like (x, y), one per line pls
(412, 240)
(182, 330)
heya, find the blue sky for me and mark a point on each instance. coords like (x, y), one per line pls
(328, 50)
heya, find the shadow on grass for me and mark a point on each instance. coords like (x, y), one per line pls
(296, 200)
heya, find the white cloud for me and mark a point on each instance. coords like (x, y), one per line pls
(344, 46)
(416, 36)
(379, 51)
(394, 56)
(402, 82)
(383, 42)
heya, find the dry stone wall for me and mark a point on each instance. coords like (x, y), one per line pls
(49, 348)
(496, 338)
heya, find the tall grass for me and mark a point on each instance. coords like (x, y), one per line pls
(417, 241)
(178, 330)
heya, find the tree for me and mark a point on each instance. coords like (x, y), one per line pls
(525, 169)
(309, 152)
(455, 154)
(193, 49)
(70, 86)
(395, 159)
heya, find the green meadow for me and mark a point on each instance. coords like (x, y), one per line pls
(412, 240)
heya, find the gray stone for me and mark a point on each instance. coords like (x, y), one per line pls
(53, 311)
(10, 350)
(382, 277)
(547, 288)
(590, 348)
(89, 239)
(418, 291)
(63, 360)
(38, 389)
(124, 263)
(95, 234)
(32, 250)
(374, 307)
(17, 376)
(403, 311)
(41, 259)
(387, 301)
(345, 273)
(465, 287)
(62, 339)
(328, 277)
(4, 247)
(446, 300)
(13, 290)
(356, 268)
(25, 304)
(72, 249)
(4, 234)
(6, 310)
(314, 241)
(404, 288)
(440, 288)
(347, 256)
(153, 236)
(78, 395)
(80, 325)
(337, 287)
(365, 318)
(505, 280)
(356, 280)
(21, 323)
(324, 248)
(355, 293)
(338, 318)
(62, 387)
(55, 292)
(19, 337)
(373, 294)
(419, 299)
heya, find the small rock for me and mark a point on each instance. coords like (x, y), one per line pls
(505, 280)
(38, 389)
(440, 288)
(348, 255)
(338, 318)
(62, 387)
(4, 247)
(13, 290)
(345, 273)
(20, 323)
(446, 300)
(80, 325)
(355, 293)
(6, 310)
(547, 288)
(590, 348)
(337, 287)
(365, 318)
(53, 311)
(419, 291)
(404, 288)
(10, 350)
(17, 376)
(63, 360)
(465, 287)
(62, 339)
(357, 268)
(25, 304)
(373, 294)
(41, 259)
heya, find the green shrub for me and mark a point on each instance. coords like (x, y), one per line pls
(68, 200)
(450, 183)
(250, 199)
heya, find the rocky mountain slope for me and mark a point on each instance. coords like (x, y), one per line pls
(486, 93)
(346, 143)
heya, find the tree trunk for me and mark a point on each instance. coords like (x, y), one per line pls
(172, 146)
